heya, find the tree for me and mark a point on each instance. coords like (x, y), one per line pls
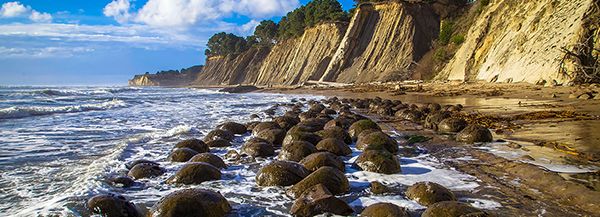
(315, 12)
(223, 44)
(266, 32)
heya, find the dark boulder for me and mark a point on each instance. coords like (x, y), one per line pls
(428, 193)
(281, 173)
(195, 173)
(192, 203)
(376, 140)
(111, 205)
(194, 144)
(432, 120)
(274, 136)
(378, 161)
(317, 160)
(218, 134)
(219, 143)
(235, 128)
(337, 133)
(474, 133)
(410, 115)
(357, 127)
(335, 146)
(296, 151)
(317, 200)
(145, 170)
(258, 148)
(209, 158)
(298, 135)
(379, 188)
(181, 154)
(449, 209)
(287, 121)
(136, 162)
(240, 89)
(384, 210)
(330, 177)
(341, 121)
(452, 125)
(122, 181)
(264, 126)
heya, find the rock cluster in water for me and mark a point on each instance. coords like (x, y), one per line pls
(311, 145)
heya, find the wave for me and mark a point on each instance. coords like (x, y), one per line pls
(21, 112)
(76, 92)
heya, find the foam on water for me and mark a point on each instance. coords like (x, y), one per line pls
(20, 112)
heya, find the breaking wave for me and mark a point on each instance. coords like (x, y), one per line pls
(26, 111)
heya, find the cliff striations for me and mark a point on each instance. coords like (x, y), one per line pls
(514, 40)
(383, 41)
(240, 69)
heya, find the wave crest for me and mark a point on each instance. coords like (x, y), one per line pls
(21, 112)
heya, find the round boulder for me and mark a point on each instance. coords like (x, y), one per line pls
(452, 125)
(474, 133)
(332, 178)
(112, 205)
(192, 203)
(449, 209)
(264, 126)
(410, 115)
(274, 136)
(296, 151)
(281, 173)
(218, 134)
(317, 160)
(337, 133)
(357, 127)
(182, 154)
(428, 193)
(218, 143)
(384, 210)
(195, 173)
(298, 135)
(145, 170)
(235, 128)
(136, 162)
(258, 148)
(209, 159)
(378, 161)
(194, 144)
(432, 120)
(335, 146)
(122, 181)
(377, 139)
(341, 121)
(317, 200)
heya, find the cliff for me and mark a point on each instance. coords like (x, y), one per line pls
(520, 41)
(383, 42)
(174, 78)
(238, 69)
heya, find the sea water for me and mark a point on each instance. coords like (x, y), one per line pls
(59, 145)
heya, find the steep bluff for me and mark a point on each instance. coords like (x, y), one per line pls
(514, 40)
(240, 69)
(186, 77)
(383, 42)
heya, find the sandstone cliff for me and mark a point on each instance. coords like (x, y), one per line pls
(383, 41)
(515, 40)
(240, 69)
(186, 77)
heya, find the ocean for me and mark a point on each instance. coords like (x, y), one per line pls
(59, 145)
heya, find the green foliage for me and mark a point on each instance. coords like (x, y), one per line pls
(412, 139)
(446, 32)
(440, 54)
(484, 3)
(458, 39)
(315, 12)
(223, 44)
(266, 32)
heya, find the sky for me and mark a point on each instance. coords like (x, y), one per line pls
(106, 42)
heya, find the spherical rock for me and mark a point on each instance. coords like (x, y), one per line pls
(296, 151)
(274, 136)
(281, 173)
(235, 128)
(335, 146)
(122, 181)
(432, 120)
(136, 162)
(428, 193)
(195, 173)
(194, 144)
(313, 124)
(410, 115)
(218, 134)
(342, 122)
(297, 135)
(145, 170)
(181, 154)
(192, 203)
(378, 161)
(258, 148)
(449, 209)
(218, 143)
(317, 160)
(357, 127)
(384, 210)
(474, 133)
(287, 121)
(209, 158)
(378, 188)
(377, 139)
(317, 200)
(452, 125)
(337, 133)
(264, 126)
(111, 205)
(330, 177)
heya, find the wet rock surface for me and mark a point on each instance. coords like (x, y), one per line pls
(378, 161)
(194, 144)
(182, 154)
(332, 178)
(209, 158)
(281, 173)
(335, 146)
(317, 200)
(296, 151)
(145, 170)
(428, 193)
(384, 210)
(192, 202)
(450, 209)
(112, 205)
(321, 159)
(474, 134)
(195, 173)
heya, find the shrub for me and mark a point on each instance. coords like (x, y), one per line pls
(446, 32)
(440, 54)
(458, 39)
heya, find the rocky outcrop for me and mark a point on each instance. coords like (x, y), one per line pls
(383, 42)
(297, 60)
(520, 41)
(167, 79)
(240, 69)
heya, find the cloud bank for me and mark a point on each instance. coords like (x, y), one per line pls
(16, 9)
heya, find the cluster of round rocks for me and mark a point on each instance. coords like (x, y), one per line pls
(312, 145)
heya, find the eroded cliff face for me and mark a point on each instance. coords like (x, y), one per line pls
(306, 58)
(240, 69)
(383, 42)
(166, 79)
(515, 40)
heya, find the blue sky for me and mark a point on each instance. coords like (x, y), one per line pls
(106, 42)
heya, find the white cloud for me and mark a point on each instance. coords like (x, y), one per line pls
(13, 9)
(16, 9)
(186, 13)
(248, 28)
(43, 52)
(40, 17)
(119, 10)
